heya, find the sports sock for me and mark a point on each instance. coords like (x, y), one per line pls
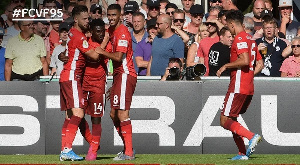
(96, 132)
(63, 133)
(239, 141)
(71, 130)
(118, 128)
(85, 130)
(126, 131)
(237, 128)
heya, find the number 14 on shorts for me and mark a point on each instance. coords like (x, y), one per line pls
(98, 108)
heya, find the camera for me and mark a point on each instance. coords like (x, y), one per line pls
(195, 71)
(175, 74)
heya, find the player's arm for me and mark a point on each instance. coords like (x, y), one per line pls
(116, 56)
(242, 60)
(92, 54)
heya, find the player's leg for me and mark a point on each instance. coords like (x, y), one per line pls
(63, 131)
(126, 131)
(95, 144)
(84, 126)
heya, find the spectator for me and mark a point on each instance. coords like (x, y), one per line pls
(8, 12)
(96, 11)
(40, 29)
(130, 8)
(178, 22)
(229, 5)
(219, 53)
(139, 33)
(173, 47)
(213, 3)
(207, 42)
(222, 17)
(269, 5)
(192, 58)
(170, 9)
(287, 26)
(153, 9)
(49, 4)
(249, 25)
(291, 66)
(259, 6)
(187, 4)
(2, 58)
(163, 4)
(143, 8)
(173, 71)
(25, 55)
(196, 12)
(54, 36)
(70, 7)
(56, 64)
(12, 30)
(142, 53)
(273, 56)
(18, 2)
(121, 3)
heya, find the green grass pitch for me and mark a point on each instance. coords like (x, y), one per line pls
(158, 159)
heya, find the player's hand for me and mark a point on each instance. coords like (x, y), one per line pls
(221, 70)
(62, 57)
(107, 94)
(99, 50)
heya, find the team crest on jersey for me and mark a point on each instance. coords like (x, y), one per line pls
(123, 36)
(85, 44)
(71, 34)
(240, 38)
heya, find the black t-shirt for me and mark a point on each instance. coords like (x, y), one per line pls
(219, 55)
(273, 59)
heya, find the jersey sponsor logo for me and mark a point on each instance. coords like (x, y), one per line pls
(85, 44)
(242, 45)
(123, 43)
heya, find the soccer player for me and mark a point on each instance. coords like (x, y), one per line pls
(241, 87)
(124, 79)
(93, 86)
(71, 93)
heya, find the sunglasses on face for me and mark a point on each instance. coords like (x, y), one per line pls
(294, 46)
(96, 11)
(215, 1)
(180, 20)
(153, 8)
(170, 13)
(197, 15)
(210, 23)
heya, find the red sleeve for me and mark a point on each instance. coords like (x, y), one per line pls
(83, 45)
(108, 47)
(122, 42)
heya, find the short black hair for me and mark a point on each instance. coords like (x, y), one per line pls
(223, 31)
(138, 14)
(97, 22)
(235, 15)
(79, 9)
(114, 7)
(48, 1)
(175, 60)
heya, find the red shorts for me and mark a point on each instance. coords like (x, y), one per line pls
(71, 95)
(94, 100)
(122, 90)
(235, 104)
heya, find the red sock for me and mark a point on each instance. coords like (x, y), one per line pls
(71, 130)
(126, 130)
(239, 141)
(118, 128)
(237, 128)
(96, 132)
(85, 130)
(63, 133)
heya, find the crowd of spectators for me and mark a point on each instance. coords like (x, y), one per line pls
(160, 31)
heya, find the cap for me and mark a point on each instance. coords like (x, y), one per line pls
(131, 6)
(96, 7)
(151, 22)
(266, 13)
(284, 3)
(196, 9)
(64, 26)
(2, 32)
(41, 20)
(153, 3)
(171, 5)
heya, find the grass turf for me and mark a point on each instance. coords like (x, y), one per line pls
(158, 159)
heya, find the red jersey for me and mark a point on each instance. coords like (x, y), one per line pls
(241, 79)
(76, 47)
(120, 39)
